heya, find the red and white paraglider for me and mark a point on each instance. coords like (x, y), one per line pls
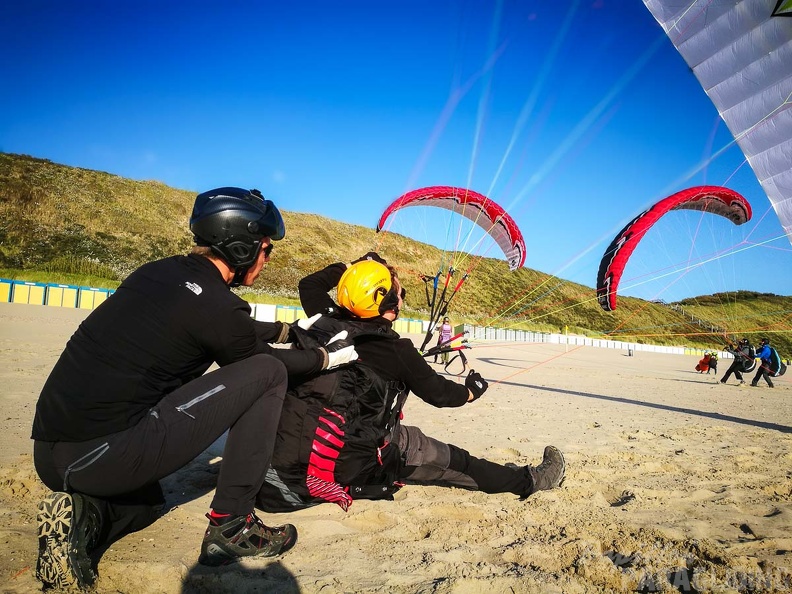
(474, 206)
(715, 199)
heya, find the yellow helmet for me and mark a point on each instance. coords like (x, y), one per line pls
(363, 287)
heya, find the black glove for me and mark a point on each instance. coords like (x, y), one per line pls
(371, 256)
(476, 384)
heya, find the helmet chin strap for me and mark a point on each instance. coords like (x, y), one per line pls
(390, 302)
(239, 276)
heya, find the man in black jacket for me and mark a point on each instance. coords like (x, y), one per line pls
(369, 291)
(744, 361)
(129, 400)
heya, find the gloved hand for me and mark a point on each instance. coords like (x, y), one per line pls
(306, 323)
(338, 351)
(371, 256)
(288, 331)
(476, 384)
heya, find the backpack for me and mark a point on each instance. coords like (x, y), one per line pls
(749, 358)
(335, 439)
(777, 366)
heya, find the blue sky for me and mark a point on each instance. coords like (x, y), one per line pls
(574, 116)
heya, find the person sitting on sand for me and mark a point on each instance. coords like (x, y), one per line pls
(357, 446)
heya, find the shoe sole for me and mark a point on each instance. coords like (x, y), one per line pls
(554, 451)
(55, 517)
(63, 561)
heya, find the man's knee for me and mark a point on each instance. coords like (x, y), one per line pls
(269, 370)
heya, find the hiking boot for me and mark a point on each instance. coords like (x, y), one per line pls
(723, 381)
(742, 383)
(69, 526)
(754, 384)
(244, 536)
(550, 473)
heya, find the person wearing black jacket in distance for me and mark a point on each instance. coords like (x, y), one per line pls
(128, 402)
(370, 291)
(744, 361)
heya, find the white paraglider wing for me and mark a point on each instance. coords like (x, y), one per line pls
(741, 53)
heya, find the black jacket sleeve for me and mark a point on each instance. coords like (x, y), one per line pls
(425, 382)
(297, 362)
(315, 287)
(399, 360)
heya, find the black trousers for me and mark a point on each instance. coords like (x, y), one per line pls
(122, 470)
(763, 371)
(734, 368)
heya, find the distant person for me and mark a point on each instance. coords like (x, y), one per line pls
(445, 331)
(763, 370)
(129, 402)
(341, 437)
(744, 360)
(703, 364)
(713, 363)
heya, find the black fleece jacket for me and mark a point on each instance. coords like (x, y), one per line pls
(164, 326)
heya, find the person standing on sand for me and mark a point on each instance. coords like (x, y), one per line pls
(744, 359)
(444, 339)
(129, 400)
(763, 372)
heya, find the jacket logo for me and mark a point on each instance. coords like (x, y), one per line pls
(195, 288)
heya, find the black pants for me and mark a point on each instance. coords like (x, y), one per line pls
(122, 470)
(763, 371)
(735, 368)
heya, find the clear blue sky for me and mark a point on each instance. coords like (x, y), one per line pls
(337, 108)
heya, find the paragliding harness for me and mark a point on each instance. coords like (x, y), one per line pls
(747, 356)
(777, 366)
(438, 307)
(335, 440)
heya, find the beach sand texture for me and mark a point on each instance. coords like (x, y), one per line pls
(674, 483)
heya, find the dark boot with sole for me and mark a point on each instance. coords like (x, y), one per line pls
(550, 473)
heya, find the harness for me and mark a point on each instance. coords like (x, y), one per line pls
(335, 440)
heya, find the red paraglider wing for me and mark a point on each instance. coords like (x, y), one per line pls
(715, 199)
(478, 208)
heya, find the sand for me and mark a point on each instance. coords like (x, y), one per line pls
(674, 483)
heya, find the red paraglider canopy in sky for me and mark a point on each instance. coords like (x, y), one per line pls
(715, 199)
(478, 208)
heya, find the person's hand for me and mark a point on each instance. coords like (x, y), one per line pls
(371, 256)
(291, 332)
(476, 384)
(339, 351)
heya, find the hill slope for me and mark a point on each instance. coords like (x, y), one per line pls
(59, 219)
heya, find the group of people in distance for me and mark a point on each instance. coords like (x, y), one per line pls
(747, 358)
(131, 400)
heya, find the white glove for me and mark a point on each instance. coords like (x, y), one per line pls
(339, 351)
(306, 323)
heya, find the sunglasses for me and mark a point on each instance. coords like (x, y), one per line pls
(268, 250)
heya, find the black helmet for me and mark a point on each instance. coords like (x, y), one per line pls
(765, 341)
(233, 221)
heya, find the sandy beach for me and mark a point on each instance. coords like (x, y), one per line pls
(675, 482)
